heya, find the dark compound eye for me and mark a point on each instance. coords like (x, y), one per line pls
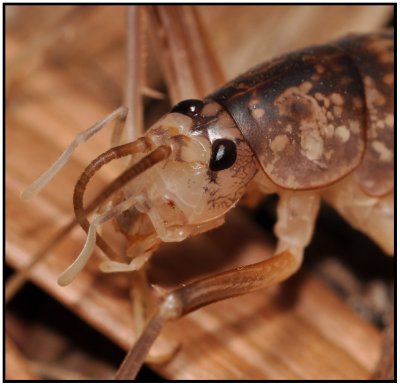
(223, 154)
(190, 107)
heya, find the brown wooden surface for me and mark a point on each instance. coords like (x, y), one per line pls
(259, 33)
(72, 78)
(17, 367)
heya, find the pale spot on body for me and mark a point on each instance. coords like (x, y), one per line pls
(327, 131)
(258, 113)
(269, 168)
(373, 96)
(337, 99)
(369, 183)
(290, 181)
(389, 120)
(385, 154)
(312, 144)
(305, 87)
(319, 96)
(355, 127)
(328, 154)
(383, 48)
(322, 98)
(253, 104)
(279, 143)
(343, 133)
(337, 111)
(288, 129)
(210, 109)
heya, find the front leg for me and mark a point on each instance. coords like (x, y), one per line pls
(296, 218)
(297, 212)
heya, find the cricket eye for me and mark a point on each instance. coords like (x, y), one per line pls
(190, 107)
(223, 154)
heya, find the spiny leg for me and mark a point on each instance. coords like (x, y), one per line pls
(195, 71)
(198, 294)
(373, 216)
(143, 301)
(296, 219)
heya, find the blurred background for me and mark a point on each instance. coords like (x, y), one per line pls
(65, 69)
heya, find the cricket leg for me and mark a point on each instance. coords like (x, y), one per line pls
(162, 18)
(143, 302)
(142, 297)
(296, 219)
(373, 216)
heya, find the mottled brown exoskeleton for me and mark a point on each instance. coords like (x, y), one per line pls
(315, 124)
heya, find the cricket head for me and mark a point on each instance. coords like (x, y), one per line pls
(204, 176)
